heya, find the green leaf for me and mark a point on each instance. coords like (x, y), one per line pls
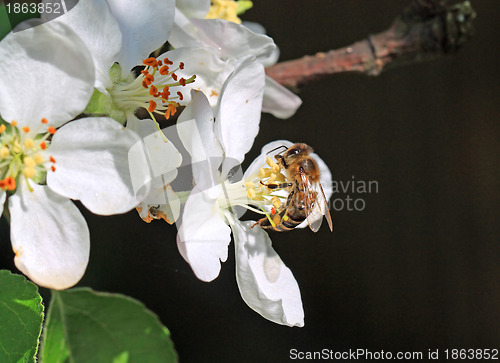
(21, 316)
(88, 326)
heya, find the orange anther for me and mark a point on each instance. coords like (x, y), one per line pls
(164, 70)
(150, 78)
(150, 62)
(181, 65)
(145, 84)
(182, 81)
(2, 128)
(10, 183)
(181, 97)
(53, 168)
(44, 121)
(174, 76)
(51, 130)
(26, 129)
(168, 61)
(14, 123)
(153, 90)
(273, 211)
(166, 93)
(171, 110)
(43, 145)
(52, 159)
(152, 106)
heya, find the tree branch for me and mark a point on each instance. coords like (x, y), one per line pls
(426, 29)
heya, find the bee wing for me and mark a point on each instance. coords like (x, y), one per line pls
(316, 204)
(323, 204)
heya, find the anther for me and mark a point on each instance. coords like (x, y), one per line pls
(4, 152)
(171, 110)
(51, 158)
(2, 128)
(152, 106)
(164, 70)
(26, 129)
(152, 62)
(44, 121)
(29, 144)
(51, 130)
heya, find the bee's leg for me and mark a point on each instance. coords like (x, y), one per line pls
(281, 159)
(277, 185)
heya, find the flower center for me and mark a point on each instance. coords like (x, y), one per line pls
(224, 9)
(157, 89)
(253, 191)
(21, 154)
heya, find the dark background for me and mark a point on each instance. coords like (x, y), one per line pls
(417, 269)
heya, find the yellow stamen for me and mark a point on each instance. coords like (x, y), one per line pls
(38, 159)
(29, 143)
(269, 161)
(29, 162)
(251, 193)
(29, 172)
(4, 152)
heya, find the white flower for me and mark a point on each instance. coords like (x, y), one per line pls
(123, 31)
(120, 35)
(47, 79)
(210, 212)
(229, 40)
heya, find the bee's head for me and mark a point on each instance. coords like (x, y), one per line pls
(297, 150)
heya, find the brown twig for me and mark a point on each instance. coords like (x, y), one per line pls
(425, 30)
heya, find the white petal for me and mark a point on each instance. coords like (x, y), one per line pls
(233, 40)
(265, 283)
(265, 152)
(278, 100)
(210, 71)
(194, 8)
(157, 207)
(195, 127)
(203, 236)
(46, 72)
(145, 26)
(238, 115)
(93, 22)
(183, 32)
(3, 195)
(49, 236)
(91, 157)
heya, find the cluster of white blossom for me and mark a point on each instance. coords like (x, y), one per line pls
(101, 59)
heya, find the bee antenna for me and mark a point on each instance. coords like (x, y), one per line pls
(276, 148)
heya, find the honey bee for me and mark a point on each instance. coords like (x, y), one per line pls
(306, 199)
